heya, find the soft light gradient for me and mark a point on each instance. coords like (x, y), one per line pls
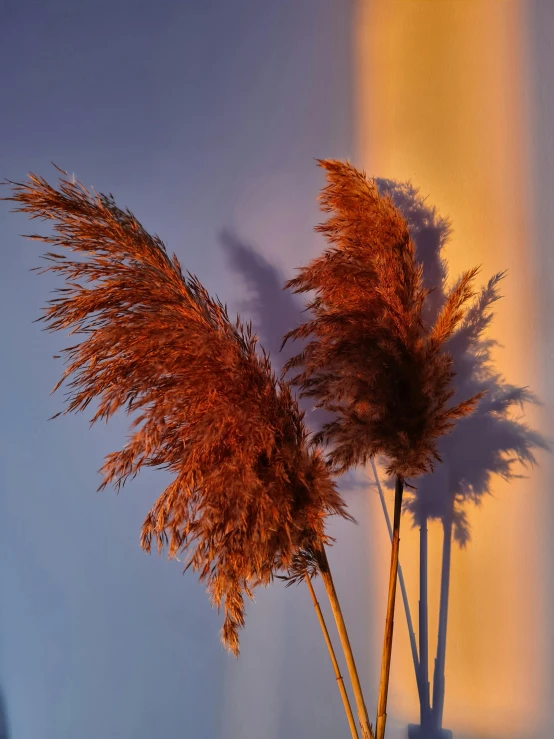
(444, 99)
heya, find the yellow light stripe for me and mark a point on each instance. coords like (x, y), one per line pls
(441, 100)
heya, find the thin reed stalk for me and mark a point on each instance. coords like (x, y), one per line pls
(389, 624)
(332, 655)
(401, 581)
(363, 717)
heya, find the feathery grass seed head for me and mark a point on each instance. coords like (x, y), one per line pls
(248, 489)
(372, 360)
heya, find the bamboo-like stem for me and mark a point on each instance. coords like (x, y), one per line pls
(389, 623)
(401, 581)
(424, 704)
(363, 717)
(438, 676)
(336, 668)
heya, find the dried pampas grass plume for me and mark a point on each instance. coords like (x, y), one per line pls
(372, 360)
(249, 491)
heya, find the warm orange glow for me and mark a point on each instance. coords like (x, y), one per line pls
(441, 101)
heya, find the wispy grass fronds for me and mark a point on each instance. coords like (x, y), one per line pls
(372, 360)
(304, 566)
(248, 488)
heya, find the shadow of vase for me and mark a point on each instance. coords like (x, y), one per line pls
(416, 731)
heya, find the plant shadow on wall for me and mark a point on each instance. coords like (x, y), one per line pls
(494, 441)
(274, 312)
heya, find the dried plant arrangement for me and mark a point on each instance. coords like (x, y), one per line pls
(251, 494)
(252, 491)
(372, 359)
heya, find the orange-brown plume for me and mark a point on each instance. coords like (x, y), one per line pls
(371, 359)
(249, 491)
